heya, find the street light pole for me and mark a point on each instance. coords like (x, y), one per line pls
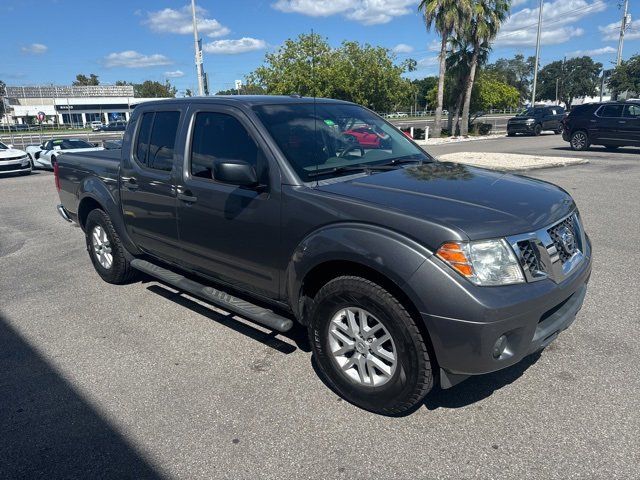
(535, 70)
(623, 27)
(198, 50)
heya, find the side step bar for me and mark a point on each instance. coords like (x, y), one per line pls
(243, 308)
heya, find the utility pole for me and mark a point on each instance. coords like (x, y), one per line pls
(535, 70)
(198, 49)
(623, 26)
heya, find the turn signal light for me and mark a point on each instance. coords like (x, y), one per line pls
(454, 255)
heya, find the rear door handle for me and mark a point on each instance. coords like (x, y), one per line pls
(130, 183)
(187, 196)
(622, 121)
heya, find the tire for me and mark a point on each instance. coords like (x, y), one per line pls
(405, 382)
(119, 270)
(537, 130)
(579, 140)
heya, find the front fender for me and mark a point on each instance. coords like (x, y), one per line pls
(105, 192)
(387, 252)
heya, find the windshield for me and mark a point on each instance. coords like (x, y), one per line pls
(530, 112)
(3, 146)
(73, 143)
(329, 139)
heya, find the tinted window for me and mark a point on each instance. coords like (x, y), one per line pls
(218, 135)
(632, 111)
(73, 143)
(156, 140)
(142, 143)
(611, 111)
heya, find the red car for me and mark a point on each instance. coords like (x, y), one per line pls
(366, 137)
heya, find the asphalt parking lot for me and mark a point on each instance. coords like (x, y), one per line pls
(139, 381)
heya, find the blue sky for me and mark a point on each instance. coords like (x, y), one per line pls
(49, 41)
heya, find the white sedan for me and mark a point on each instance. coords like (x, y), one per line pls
(44, 155)
(13, 160)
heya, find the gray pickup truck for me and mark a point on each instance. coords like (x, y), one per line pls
(406, 271)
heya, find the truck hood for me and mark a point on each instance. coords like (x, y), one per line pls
(482, 203)
(11, 153)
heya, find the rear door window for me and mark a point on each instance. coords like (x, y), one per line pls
(632, 111)
(611, 111)
(156, 140)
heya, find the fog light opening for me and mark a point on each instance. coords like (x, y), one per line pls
(499, 347)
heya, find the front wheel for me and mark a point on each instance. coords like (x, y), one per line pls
(106, 250)
(579, 141)
(537, 130)
(368, 346)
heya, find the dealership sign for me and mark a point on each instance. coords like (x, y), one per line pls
(41, 116)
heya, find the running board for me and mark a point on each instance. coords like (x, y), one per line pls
(243, 308)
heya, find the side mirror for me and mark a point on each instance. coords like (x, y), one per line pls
(234, 172)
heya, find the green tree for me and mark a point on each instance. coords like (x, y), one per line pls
(248, 89)
(422, 87)
(356, 72)
(517, 72)
(84, 81)
(3, 87)
(626, 77)
(446, 17)
(577, 77)
(486, 18)
(153, 89)
(490, 92)
(188, 93)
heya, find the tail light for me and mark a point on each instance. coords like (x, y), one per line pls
(56, 175)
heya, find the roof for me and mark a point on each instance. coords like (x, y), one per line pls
(249, 100)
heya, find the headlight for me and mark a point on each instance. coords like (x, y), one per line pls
(530, 120)
(484, 262)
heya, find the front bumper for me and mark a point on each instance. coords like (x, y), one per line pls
(15, 166)
(520, 127)
(529, 315)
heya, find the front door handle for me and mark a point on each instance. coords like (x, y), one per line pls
(130, 183)
(622, 121)
(187, 196)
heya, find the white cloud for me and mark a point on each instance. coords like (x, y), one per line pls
(591, 53)
(34, 49)
(179, 21)
(231, 47)
(428, 61)
(516, 3)
(557, 16)
(367, 12)
(133, 59)
(612, 31)
(402, 48)
(174, 74)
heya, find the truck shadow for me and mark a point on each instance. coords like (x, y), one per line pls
(297, 335)
(48, 429)
(477, 387)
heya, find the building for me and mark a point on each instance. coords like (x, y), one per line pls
(69, 105)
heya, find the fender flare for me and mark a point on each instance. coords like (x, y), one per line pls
(95, 189)
(385, 251)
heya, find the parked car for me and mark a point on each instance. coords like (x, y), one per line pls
(405, 270)
(13, 160)
(119, 126)
(610, 124)
(45, 155)
(112, 144)
(367, 137)
(96, 125)
(15, 127)
(534, 120)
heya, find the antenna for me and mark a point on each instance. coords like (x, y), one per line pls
(313, 88)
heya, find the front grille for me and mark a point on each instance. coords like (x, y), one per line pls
(556, 233)
(8, 159)
(552, 252)
(530, 257)
(8, 168)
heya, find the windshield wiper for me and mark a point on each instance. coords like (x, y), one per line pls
(414, 158)
(350, 168)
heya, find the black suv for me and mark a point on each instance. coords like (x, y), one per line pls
(534, 120)
(610, 124)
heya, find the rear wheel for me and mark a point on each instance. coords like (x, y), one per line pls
(368, 346)
(579, 140)
(106, 250)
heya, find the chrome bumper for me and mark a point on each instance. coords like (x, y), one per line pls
(63, 213)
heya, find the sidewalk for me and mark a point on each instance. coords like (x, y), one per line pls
(510, 161)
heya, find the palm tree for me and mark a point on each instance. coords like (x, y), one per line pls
(485, 20)
(446, 16)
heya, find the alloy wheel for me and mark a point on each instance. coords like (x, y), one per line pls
(362, 347)
(579, 141)
(101, 247)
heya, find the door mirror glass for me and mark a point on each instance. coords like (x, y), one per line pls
(234, 172)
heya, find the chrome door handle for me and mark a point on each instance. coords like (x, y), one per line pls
(130, 183)
(186, 196)
(622, 121)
